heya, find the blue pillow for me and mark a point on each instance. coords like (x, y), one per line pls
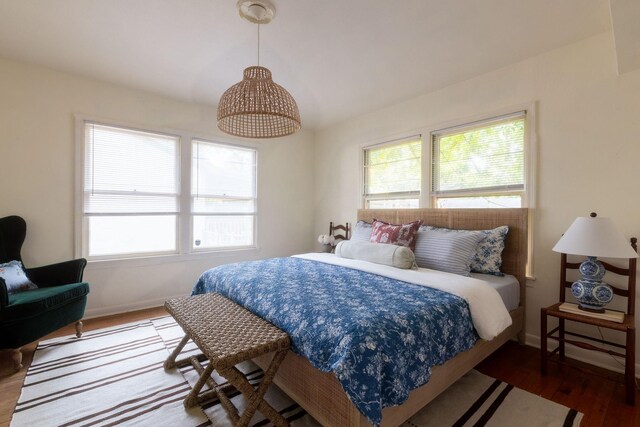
(15, 278)
(446, 251)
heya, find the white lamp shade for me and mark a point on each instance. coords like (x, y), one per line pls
(595, 236)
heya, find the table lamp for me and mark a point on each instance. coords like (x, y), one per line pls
(593, 237)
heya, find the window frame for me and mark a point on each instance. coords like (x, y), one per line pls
(84, 226)
(487, 191)
(184, 229)
(365, 198)
(192, 215)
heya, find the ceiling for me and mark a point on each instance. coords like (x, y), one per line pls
(338, 58)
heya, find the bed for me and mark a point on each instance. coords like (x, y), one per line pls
(322, 394)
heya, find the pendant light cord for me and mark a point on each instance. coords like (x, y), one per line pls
(258, 44)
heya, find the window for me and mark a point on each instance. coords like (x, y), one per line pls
(223, 195)
(140, 199)
(392, 174)
(485, 164)
(131, 192)
(481, 165)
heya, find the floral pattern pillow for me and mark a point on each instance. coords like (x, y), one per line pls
(15, 278)
(395, 234)
(488, 256)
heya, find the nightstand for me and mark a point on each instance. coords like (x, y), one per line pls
(623, 322)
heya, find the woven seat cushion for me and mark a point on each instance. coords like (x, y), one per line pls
(37, 301)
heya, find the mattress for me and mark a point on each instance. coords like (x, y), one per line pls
(507, 286)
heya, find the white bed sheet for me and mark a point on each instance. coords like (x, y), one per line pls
(507, 286)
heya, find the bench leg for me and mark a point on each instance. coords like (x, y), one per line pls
(170, 363)
(216, 389)
(192, 398)
(255, 398)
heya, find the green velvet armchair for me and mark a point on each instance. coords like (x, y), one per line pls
(59, 300)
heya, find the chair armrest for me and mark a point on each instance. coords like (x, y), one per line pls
(62, 273)
(4, 295)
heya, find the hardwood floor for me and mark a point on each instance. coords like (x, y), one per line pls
(596, 392)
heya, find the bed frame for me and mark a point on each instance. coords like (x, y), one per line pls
(320, 393)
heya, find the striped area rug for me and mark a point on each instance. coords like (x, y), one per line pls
(114, 376)
(479, 400)
(109, 376)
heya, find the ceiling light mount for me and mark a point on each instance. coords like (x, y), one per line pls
(257, 11)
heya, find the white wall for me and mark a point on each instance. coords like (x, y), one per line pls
(588, 127)
(37, 164)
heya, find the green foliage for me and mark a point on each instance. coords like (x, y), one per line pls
(395, 168)
(491, 156)
(488, 157)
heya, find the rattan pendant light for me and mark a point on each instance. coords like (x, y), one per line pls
(257, 107)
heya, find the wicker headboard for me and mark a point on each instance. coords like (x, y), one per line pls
(514, 256)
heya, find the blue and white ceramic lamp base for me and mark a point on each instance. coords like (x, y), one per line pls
(590, 291)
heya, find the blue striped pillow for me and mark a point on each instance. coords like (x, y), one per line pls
(488, 256)
(446, 251)
(361, 232)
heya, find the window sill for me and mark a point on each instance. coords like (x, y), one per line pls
(171, 258)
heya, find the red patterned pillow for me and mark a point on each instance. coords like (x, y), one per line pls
(395, 234)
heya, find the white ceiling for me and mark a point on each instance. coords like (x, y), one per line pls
(338, 58)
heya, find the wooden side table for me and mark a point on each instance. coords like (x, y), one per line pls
(563, 336)
(625, 325)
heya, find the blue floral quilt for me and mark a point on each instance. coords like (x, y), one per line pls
(380, 336)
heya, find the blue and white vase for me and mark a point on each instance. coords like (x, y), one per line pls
(590, 291)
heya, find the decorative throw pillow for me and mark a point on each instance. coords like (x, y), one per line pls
(488, 256)
(447, 251)
(396, 234)
(361, 232)
(393, 255)
(15, 278)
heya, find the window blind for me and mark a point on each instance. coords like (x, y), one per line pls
(223, 178)
(131, 192)
(393, 170)
(128, 171)
(223, 195)
(485, 157)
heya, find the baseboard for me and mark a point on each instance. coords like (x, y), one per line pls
(117, 309)
(592, 357)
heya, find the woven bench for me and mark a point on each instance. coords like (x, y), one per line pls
(227, 334)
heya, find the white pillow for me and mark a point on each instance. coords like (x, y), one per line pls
(15, 278)
(379, 253)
